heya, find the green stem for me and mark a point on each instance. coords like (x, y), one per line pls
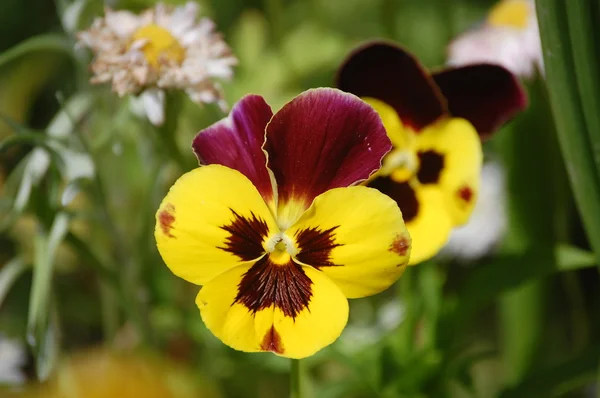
(167, 133)
(296, 379)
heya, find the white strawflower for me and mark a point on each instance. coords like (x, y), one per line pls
(509, 37)
(162, 48)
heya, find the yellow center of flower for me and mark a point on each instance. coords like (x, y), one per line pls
(159, 44)
(280, 248)
(510, 13)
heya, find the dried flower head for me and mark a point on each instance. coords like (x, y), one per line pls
(161, 48)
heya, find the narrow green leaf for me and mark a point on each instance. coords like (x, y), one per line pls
(49, 42)
(583, 33)
(570, 258)
(560, 379)
(9, 274)
(39, 333)
(567, 104)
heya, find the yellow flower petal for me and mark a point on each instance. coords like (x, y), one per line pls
(356, 236)
(400, 137)
(211, 220)
(270, 329)
(458, 146)
(431, 224)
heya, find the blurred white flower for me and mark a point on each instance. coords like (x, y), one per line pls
(487, 225)
(12, 360)
(162, 48)
(509, 37)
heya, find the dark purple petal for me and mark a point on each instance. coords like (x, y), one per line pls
(486, 95)
(323, 139)
(237, 141)
(387, 72)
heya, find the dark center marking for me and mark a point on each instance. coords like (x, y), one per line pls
(246, 236)
(465, 193)
(166, 218)
(400, 245)
(285, 286)
(315, 246)
(272, 341)
(431, 165)
(402, 193)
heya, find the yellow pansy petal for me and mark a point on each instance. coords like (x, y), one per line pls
(356, 236)
(451, 156)
(211, 220)
(430, 224)
(266, 316)
(400, 137)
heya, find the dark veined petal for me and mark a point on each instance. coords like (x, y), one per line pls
(236, 142)
(212, 220)
(285, 308)
(388, 73)
(486, 95)
(356, 237)
(322, 139)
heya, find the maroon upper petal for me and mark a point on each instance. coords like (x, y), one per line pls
(237, 141)
(387, 72)
(322, 139)
(486, 95)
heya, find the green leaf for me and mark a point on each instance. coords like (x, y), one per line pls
(50, 42)
(40, 330)
(571, 258)
(559, 379)
(509, 271)
(9, 274)
(573, 93)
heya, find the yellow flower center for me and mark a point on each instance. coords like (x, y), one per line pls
(510, 13)
(280, 248)
(160, 44)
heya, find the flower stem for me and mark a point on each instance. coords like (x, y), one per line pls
(296, 379)
(167, 132)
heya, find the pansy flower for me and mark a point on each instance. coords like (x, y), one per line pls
(273, 228)
(162, 48)
(509, 37)
(435, 123)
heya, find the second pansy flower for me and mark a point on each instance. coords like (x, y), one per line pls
(435, 123)
(272, 227)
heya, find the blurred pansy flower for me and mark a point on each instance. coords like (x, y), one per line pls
(162, 48)
(435, 123)
(509, 37)
(273, 228)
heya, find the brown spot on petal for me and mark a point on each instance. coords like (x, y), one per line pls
(465, 193)
(166, 218)
(272, 341)
(431, 166)
(315, 245)
(267, 284)
(400, 245)
(246, 236)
